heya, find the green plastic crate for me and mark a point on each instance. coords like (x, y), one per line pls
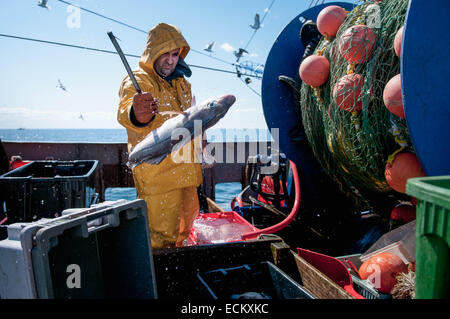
(432, 235)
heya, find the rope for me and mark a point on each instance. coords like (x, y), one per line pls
(262, 20)
(137, 29)
(108, 51)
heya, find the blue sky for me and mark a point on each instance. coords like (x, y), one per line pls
(29, 96)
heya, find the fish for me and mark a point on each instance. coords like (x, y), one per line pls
(171, 113)
(159, 144)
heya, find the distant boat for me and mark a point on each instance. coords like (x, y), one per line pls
(20, 128)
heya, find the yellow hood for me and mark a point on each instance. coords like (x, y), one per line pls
(162, 39)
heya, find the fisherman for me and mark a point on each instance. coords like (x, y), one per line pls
(169, 188)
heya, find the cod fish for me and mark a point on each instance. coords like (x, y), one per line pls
(158, 144)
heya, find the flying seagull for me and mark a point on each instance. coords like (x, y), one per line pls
(240, 53)
(81, 117)
(209, 47)
(43, 4)
(256, 25)
(61, 86)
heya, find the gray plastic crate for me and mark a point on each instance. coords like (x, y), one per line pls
(100, 252)
(366, 289)
(363, 287)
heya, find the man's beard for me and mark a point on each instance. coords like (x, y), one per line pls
(165, 72)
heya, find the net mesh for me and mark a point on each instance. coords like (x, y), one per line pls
(353, 146)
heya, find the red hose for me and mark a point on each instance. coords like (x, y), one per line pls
(289, 218)
(238, 200)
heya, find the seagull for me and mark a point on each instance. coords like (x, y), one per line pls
(240, 53)
(61, 86)
(209, 47)
(256, 25)
(43, 4)
(81, 117)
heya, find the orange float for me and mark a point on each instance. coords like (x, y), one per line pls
(347, 90)
(404, 166)
(330, 19)
(356, 43)
(381, 270)
(392, 96)
(314, 70)
(398, 41)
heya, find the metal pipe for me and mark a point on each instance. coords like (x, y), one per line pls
(124, 61)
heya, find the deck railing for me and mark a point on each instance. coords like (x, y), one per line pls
(112, 170)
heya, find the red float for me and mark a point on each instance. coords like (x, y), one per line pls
(315, 70)
(398, 41)
(347, 90)
(356, 43)
(330, 19)
(392, 96)
(403, 213)
(405, 166)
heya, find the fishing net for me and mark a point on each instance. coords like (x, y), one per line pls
(352, 145)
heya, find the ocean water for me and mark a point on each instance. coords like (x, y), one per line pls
(225, 192)
(120, 135)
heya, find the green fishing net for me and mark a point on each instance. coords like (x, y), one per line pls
(353, 147)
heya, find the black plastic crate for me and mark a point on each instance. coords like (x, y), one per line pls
(261, 280)
(43, 189)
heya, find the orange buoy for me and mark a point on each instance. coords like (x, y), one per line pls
(405, 166)
(314, 70)
(392, 96)
(330, 19)
(381, 270)
(356, 43)
(347, 90)
(398, 41)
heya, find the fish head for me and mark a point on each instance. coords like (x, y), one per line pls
(213, 110)
(221, 104)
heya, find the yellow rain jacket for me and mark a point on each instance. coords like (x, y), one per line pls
(168, 188)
